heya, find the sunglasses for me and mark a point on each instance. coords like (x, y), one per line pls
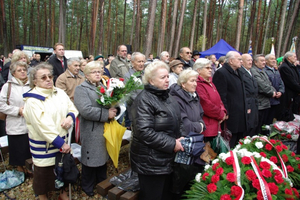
(45, 77)
(189, 53)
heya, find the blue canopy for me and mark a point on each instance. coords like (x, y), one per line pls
(219, 49)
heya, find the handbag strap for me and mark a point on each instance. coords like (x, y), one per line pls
(8, 92)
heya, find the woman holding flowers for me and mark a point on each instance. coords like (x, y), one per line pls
(156, 129)
(92, 118)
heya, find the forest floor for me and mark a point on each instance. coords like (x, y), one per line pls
(25, 191)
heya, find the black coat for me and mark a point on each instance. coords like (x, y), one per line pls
(289, 100)
(231, 89)
(155, 126)
(5, 71)
(251, 92)
(191, 110)
(57, 67)
(186, 65)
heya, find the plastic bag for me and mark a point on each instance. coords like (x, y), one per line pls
(127, 181)
(10, 179)
(219, 145)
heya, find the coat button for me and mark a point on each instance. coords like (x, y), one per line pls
(88, 157)
(87, 152)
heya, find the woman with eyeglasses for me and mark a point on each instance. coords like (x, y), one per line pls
(92, 118)
(11, 104)
(210, 100)
(49, 114)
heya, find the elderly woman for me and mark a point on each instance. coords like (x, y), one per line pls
(191, 115)
(49, 114)
(156, 128)
(83, 63)
(92, 118)
(214, 110)
(19, 56)
(176, 68)
(11, 103)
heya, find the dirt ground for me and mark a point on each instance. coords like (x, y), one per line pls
(25, 191)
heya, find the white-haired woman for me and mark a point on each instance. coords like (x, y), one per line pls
(92, 118)
(49, 114)
(11, 103)
(156, 128)
(210, 100)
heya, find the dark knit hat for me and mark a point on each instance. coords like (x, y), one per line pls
(97, 57)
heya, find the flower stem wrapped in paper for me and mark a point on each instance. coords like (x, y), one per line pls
(112, 95)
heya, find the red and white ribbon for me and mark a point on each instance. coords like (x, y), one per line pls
(237, 173)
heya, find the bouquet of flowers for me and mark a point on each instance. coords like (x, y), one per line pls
(241, 174)
(277, 152)
(116, 91)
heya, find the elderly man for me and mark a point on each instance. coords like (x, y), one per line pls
(251, 92)
(36, 60)
(71, 78)
(230, 86)
(119, 66)
(185, 56)
(265, 91)
(164, 56)
(58, 61)
(215, 63)
(277, 83)
(289, 101)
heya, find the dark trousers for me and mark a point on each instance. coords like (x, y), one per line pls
(154, 187)
(235, 139)
(91, 176)
(262, 120)
(272, 113)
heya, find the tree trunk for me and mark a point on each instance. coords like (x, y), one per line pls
(101, 19)
(259, 45)
(44, 43)
(169, 18)
(282, 21)
(116, 27)
(150, 27)
(3, 28)
(180, 27)
(290, 26)
(204, 26)
(255, 40)
(31, 26)
(172, 35)
(193, 26)
(95, 8)
(62, 21)
(136, 46)
(267, 26)
(108, 34)
(161, 40)
(24, 22)
(71, 30)
(39, 29)
(251, 21)
(13, 19)
(133, 22)
(124, 22)
(239, 25)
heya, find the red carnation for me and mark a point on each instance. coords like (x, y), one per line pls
(273, 141)
(220, 171)
(214, 167)
(205, 175)
(215, 178)
(293, 154)
(225, 197)
(246, 160)
(289, 136)
(297, 158)
(240, 143)
(235, 191)
(273, 188)
(284, 146)
(278, 148)
(283, 134)
(250, 174)
(277, 172)
(263, 154)
(211, 187)
(266, 173)
(230, 177)
(289, 168)
(298, 166)
(229, 160)
(259, 195)
(102, 90)
(274, 159)
(296, 192)
(289, 192)
(285, 158)
(121, 79)
(264, 165)
(278, 179)
(268, 147)
(255, 183)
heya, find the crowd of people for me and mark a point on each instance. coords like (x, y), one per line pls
(43, 101)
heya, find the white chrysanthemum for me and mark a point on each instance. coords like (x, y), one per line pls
(198, 177)
(259, 145)
(237, 147)
(244, 152)
(267, 127)
(295, 137)
(256, 154)
(224, 156)
(206, 167)
(247, 141)
(215, 161)
(248, 137)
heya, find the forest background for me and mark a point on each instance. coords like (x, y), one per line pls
(150, 26)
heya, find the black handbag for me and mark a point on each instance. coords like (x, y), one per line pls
(70, 172)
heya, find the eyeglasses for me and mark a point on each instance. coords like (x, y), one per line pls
(45, 77)
(96, 72)
(189, 53)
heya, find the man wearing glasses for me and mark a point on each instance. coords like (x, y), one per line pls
(185, 56)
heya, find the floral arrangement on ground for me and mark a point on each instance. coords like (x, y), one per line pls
(116, 92)
(246, 174)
